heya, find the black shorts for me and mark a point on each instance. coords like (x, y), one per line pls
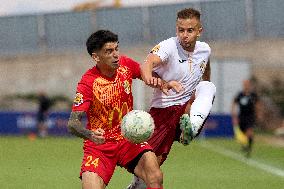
(245, 124)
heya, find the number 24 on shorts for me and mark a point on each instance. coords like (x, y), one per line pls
(91, 161)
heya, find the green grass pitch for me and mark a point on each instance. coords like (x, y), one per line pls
(204, 164)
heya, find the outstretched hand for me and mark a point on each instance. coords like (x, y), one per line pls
(175, 85)
(152, 81)
(97, 136)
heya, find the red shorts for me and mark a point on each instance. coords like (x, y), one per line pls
(166, 128)
(102, 159)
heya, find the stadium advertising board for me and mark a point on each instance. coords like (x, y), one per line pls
(22, 123)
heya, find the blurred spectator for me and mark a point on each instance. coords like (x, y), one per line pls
(44, 103)
(244, 114)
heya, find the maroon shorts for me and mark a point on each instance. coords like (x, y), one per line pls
(166, 128)
(102, 159)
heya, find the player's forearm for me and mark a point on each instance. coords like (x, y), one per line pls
(151, 61)
(234, 109)
(146, 69)
(206, 77)
(207, 72)
(234, 114)
(76, 127)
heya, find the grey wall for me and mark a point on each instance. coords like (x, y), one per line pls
(222, 20)
(228, 75)
(56, 42)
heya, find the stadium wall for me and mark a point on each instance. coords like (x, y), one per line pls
(58, 74)
(230, 20)
(46, 52)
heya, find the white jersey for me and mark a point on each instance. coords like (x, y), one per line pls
(179, 65)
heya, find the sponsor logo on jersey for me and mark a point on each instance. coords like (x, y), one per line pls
(182, 61)
(126, 86)
(155, 49)
(78, 100)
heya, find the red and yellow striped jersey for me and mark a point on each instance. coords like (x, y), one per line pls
(107, 100)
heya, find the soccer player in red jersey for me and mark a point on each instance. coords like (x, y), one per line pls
(104, 96)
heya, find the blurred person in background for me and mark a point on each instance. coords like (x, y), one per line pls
(104, 96)
(44, 104)
(244, 114)
(179, 113)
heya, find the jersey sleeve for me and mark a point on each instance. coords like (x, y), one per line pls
(133, 66)
(208, 49)
(83, 97)
(237, 98)
(162, 50)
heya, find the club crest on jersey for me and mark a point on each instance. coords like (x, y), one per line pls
(155, 49)
(78, 100)
(126, 86)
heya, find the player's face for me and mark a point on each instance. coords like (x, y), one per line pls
(246, 86)
(108, 56)
(188, 31)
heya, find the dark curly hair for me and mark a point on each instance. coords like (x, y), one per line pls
(97, 40)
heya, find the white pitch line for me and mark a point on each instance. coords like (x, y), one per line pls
(253, 163)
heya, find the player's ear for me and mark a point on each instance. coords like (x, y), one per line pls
(200, 31)
(95, 56)
(176, 28)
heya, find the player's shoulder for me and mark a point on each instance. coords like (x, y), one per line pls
(126, 61)
(128, 65)
(170, 42)
(203, 46)
(90, 75)
(123, 59)
(165, 45)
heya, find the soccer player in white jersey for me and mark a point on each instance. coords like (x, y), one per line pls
(186, 60)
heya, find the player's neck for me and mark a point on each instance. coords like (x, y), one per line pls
(247, 92)
(189, 49)
(110, 73)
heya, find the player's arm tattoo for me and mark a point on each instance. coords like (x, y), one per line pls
(76, 127)
(207, 73)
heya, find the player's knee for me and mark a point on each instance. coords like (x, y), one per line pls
(209, 86)
(92, 180)
(205, 88)
(155, 178)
